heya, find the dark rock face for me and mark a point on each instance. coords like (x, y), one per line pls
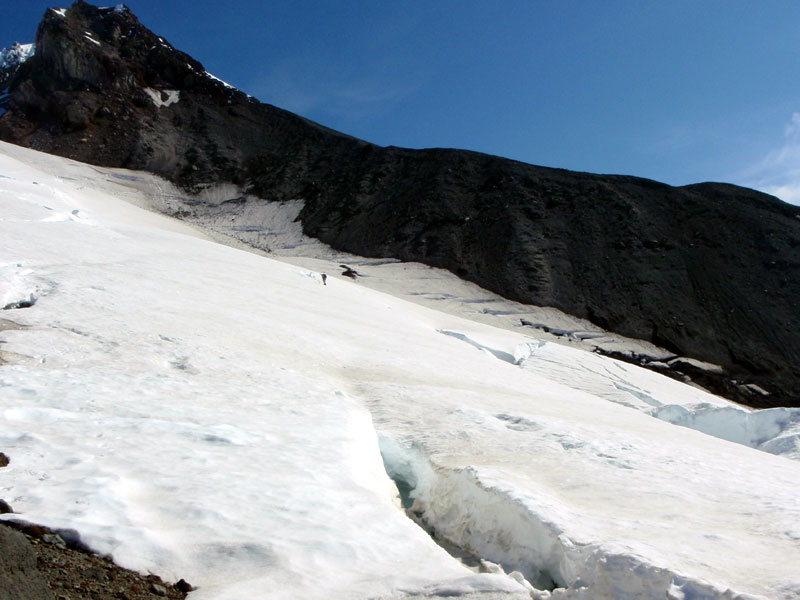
(19, 577)
(710, 271)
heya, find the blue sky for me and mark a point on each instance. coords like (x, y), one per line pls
(679, 91)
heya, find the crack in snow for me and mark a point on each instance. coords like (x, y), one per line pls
(504, 356)
(773, 430)
(402, 471)
(496, 529)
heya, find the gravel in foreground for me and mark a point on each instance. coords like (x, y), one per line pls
(77, 574)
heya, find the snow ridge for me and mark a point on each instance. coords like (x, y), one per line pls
(16, 55)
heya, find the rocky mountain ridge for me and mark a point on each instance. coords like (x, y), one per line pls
(710, 271)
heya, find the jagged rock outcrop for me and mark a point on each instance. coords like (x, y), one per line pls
(10, 60)
(710, 271)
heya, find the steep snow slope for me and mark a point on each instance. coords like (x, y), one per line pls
(212, 414)
(710, 271)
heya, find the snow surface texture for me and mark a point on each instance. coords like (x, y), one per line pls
(212, 414)
(775, 430)
(232, 217)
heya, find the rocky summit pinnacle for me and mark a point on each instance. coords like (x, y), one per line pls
(709, 271)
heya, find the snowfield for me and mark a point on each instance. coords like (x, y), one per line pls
(213, 414)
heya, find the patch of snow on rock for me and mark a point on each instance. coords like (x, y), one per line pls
(227, 85)
(163, 97)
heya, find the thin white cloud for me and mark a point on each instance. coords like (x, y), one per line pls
(778, 173)
(317, 92)
(286, 87)
(788, 193)
(793, 128)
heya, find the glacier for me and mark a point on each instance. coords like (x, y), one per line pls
(217, 414)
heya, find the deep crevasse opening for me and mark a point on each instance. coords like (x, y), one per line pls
(458, 507)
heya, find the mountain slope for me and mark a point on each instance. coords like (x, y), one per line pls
(710, 271)
(214, 415)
